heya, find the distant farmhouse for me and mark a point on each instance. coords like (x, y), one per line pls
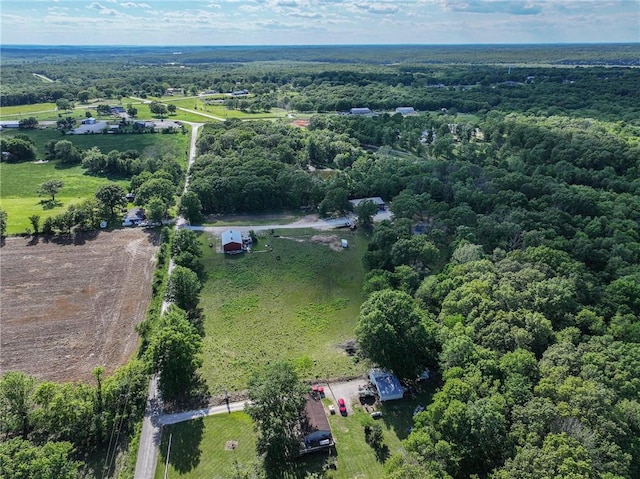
(10, 124)
(379, 202)
(406, 110)
(89, 125)
(360, 111)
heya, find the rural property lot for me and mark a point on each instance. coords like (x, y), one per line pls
(68, 308)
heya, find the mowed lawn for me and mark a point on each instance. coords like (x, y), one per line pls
(198, 447)
(18, 111)
(19, 182)
(295, 300)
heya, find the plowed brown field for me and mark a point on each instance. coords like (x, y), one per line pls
(66, 308)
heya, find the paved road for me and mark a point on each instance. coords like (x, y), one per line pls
(151, 428)
(319, 224)
(150, 435)
(343, 389)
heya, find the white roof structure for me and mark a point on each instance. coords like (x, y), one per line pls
(375, 199)
(360, 111)
(405, 110)
(387, 384)
(231, 236)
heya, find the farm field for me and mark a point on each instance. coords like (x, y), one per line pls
(19, 182)
(68, 307)
(297, 299)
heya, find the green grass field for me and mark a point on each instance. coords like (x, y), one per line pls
(298, 302)
(222, 111)
(19, 182)
(15, 112)
(198, 447)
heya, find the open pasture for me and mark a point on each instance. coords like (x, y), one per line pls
(70, 306)
(21, 111)
(296, 299)
(19, 182)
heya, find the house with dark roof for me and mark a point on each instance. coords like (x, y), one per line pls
(317, 435)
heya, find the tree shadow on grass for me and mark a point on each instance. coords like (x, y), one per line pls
(398, 415)
(185, 451)
(301, 467)
(50, 204)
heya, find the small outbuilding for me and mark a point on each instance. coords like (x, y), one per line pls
(387, 385)
(379, 202)
(345, 243)
(232, 242)
(360, 111)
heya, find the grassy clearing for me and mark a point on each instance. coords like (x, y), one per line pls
(105, 143)
(223, 112)
(19, 182)
(14, 112)
(298, 302)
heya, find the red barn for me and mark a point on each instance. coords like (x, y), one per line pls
(232, 242)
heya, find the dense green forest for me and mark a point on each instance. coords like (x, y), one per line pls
(514, 248)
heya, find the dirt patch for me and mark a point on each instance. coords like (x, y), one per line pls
(68, 307)
(330, 240)
(231, 445)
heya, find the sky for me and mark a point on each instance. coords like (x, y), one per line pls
(317, 22)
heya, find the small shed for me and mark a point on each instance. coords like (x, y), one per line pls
(232, 242)
(345, 243)
(387, 385)
(360, 111)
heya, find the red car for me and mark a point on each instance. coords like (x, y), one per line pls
(342, 407)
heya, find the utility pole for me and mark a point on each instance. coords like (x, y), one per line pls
(166, 464)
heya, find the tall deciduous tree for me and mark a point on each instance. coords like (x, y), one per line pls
(16, 389)
(51, 188)
(158, 109)
(111, 196)
(24, 460)
(277, 403)
(174, 353)
(183, 288)
(366, 210)
(191, 207)
(394, 333)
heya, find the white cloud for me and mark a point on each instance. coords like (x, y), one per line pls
(102, 10)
